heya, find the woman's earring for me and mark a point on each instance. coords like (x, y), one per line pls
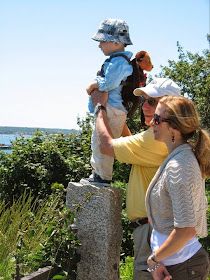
(173, 139)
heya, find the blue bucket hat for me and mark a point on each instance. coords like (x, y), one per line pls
(113, 30)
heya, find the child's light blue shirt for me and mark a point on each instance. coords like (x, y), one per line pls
(115, 71)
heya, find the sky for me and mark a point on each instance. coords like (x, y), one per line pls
(47, 56)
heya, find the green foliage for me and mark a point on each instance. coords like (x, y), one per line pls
(35, 233)
(121, 172)
(136, 122)
(127, 240)
(192, 73)
(37, 162)
(61, 248)
(44, 164)
(22, 231)
(60, 276)
(126, 269)
(34, 164)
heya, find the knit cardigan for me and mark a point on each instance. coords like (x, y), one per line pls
(176, 195)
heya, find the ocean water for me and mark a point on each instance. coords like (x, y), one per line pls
(6, 139)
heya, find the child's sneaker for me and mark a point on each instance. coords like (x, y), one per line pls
(96, 180)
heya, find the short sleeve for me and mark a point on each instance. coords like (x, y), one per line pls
(140, 149)
(116, 70)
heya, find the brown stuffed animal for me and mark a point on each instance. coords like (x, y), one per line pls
(144, 61)
(138, 78)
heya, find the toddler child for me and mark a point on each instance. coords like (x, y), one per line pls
(113, 37)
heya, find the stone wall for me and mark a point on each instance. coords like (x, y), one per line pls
(42, 274)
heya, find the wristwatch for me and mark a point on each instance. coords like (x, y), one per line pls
(99, 107)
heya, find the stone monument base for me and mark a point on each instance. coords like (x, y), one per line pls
(98, 220)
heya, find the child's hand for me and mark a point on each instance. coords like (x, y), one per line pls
(92, 87)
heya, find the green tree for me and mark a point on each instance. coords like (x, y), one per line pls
(192, 73)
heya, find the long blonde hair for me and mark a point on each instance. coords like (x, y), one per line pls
(183, 116)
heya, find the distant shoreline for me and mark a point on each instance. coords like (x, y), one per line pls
(32, 130)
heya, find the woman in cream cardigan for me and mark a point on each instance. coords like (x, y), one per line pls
(175, 200)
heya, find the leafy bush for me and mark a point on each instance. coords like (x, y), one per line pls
(61, 248)
(126, 269)
(37, 162)
(127, 240)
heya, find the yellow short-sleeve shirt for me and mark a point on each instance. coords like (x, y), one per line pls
(145, 154)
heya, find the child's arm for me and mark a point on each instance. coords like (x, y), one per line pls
(92, 87)
(126, 131)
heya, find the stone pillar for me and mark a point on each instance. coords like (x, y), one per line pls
(98, 218)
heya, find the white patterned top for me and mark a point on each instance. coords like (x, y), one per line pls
(176, 195)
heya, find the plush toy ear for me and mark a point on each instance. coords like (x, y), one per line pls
(140, 55)
(144, 61)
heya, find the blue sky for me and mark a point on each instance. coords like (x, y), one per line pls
(47, 56)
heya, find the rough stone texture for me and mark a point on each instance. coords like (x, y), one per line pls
(41, 274)
(98, 218)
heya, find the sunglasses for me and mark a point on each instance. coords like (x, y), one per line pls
(157, 119)
(151, 101)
